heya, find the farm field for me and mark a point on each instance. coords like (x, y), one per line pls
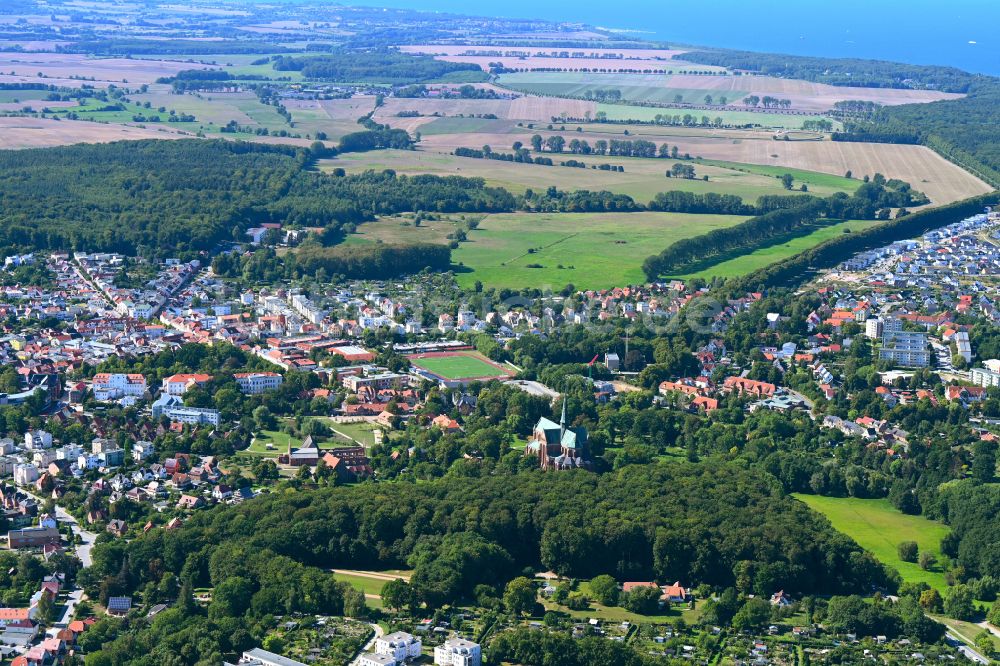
(527, 107)
(920, 166)
(642, 179)
(68, 69)
(764, 119)
(751, 261)
(44, 132)
(879, 528)
(805, 95)
(458, 366)
(589, 250)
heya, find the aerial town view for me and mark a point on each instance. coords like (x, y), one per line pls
(398, 333)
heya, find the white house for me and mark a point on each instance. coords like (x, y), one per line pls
(37, 439)
(458, 652)
(25, 474)
(255, 383)
(399, 645)
(142, 451)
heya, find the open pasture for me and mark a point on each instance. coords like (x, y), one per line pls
(879, 528)
(642, 180)
(589, 250)
(750, 261)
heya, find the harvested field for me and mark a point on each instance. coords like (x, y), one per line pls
(528, 107)
(805, 96)
(44, 133)
(627, 55)
(60, 68)
(924, 169)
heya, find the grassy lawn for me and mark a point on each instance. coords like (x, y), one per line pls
(363, 583)
(589, 250)
(360, 432)
(461, 365)
(276, 439)
(810, 178)
(967, 631)
(764, 256)
(633, 87)
(879, 528)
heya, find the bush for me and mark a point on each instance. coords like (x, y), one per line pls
(605, 590)
(908, 551)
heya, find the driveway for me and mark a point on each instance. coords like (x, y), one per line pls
(370, 645)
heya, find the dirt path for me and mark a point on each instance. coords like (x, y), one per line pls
(374, 575)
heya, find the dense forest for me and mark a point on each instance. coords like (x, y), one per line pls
(839, 71)
(168, 198)
(379, 66)
(697, 523)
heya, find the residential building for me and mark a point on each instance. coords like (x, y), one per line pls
(963, 346)
(984, 377)
(32, 537)
(372, 659)
(255, 383)
(399, 645)
(905, 348)
(25, 474)
(142, 451)
(259, 657)
(458, 652)
(192, 415)
(873, 329)
(37, 439)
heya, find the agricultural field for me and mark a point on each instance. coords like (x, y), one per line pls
(68, 69)
(588, 250)
(526, 107)
(44, 132)
(738, 118)
(642, 179)
(804, 95)
(461, 366)
(879, 528)
(928, 172)
(626, 59)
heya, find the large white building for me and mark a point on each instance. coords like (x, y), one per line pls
(458, 652)
(255, 383)
(985, 377)
(179, 384)
(399, 645)
(114, 385)
(25, 474)
(905, 348)
(372, 659)
(192, 415)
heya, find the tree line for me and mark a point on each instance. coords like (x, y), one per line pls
(370, 66)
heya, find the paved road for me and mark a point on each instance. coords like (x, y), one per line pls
(963, 647)
(370, 644)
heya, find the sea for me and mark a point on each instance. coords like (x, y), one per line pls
(961, 33)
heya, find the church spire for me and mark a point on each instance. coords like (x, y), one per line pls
(562, 421)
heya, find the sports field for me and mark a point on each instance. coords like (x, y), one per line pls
(879, 528)
(459, 366)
